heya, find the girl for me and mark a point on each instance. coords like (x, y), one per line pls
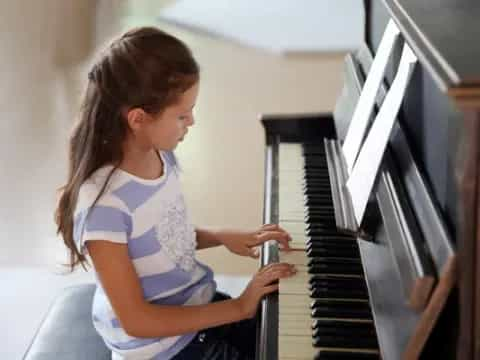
(123, 207)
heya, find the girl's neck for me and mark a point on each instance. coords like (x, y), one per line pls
(146, 164)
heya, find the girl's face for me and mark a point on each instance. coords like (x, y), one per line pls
(167, 129)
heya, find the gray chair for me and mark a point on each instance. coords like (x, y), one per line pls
(67, 332)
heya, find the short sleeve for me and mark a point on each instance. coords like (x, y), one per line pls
(107, 220)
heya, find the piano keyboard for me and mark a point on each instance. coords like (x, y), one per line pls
(324, 310)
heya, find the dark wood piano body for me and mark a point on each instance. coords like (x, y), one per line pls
(440, 120)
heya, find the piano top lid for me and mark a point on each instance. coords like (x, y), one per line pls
(444, 34)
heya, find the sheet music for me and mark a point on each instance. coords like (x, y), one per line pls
(363, 110)
(363, 174)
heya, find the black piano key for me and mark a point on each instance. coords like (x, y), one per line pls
(344, 355)
(357, 342)
(318, 172)
(338, 282)
(315, 202)
(310, 180)
(342, 313)
(319, 209)
(314, 219)
(323, 187)
(319, 292)
(343, 328)
(311, 162)
(334, 260)
(316, 190)
(315, 185)
(318, 229)
(324, 323)
(332, 244)
(322, 195)
(325, 209)
(313, 148)
(341, 243)
(328, 239)
(309, 224)
(324, 286)
(341, 309)
(334, 234)
(321, 231)
(321, 226)
(335, 268)
(333, 252)
(314, 177)
(359, 306)
(310, 241)
(329, 293)
(318, 226)
(317, 215)
(323, 220)
(317, 218)
(323, 199)
(316, 155)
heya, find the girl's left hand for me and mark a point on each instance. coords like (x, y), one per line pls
(245, 243)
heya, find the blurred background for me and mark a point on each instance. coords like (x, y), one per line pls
(255, 58)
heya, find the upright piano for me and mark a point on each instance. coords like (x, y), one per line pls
(406, 284)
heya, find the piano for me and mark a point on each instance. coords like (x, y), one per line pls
(405, 285)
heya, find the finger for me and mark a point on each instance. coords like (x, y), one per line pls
(274, 266)
(269, 289)
(265, 268)
(275, 227)
(270, 227)
(277, 273)
(284, 244)
(279, 236)
(254, 253)
(274, 277)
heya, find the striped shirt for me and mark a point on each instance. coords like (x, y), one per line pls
(150, 217)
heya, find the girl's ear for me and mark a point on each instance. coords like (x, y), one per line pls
(136, 117)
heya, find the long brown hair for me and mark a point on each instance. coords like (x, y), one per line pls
(144, 68)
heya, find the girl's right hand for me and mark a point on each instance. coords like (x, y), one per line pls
(261, 284)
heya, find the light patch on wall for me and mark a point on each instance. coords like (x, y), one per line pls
(275, 25)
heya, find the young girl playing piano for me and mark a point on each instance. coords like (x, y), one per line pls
(122, 205)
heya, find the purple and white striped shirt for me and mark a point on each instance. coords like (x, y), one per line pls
(150, 217)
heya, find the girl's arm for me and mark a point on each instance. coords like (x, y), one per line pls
(139, 318)
(207, 238)
(243, 243)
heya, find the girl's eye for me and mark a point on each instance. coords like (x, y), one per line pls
(182, 117)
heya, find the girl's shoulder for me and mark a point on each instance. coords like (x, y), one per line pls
(94, 185)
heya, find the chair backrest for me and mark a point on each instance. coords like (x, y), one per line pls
(67, 331)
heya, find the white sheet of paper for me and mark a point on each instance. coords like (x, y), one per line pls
(362, 178)
(363, 110)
